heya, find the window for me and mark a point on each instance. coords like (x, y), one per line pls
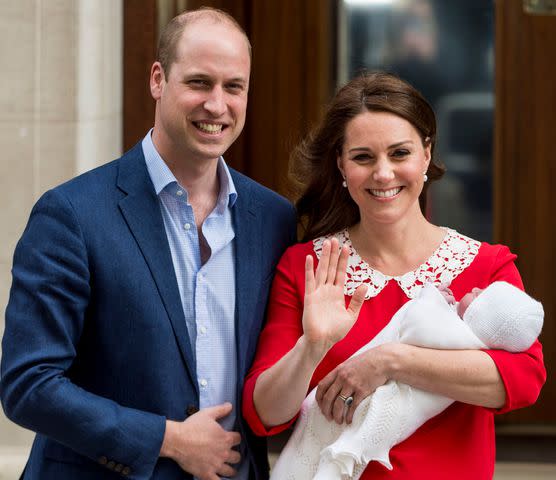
(445, 49)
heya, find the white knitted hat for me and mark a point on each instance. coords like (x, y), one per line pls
(504, 317)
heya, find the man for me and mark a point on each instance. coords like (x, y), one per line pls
(139, 288)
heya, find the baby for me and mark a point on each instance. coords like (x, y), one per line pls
(499, 317)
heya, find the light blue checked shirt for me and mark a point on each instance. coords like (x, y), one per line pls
(207, 291)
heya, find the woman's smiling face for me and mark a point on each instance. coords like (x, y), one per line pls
(383, 160)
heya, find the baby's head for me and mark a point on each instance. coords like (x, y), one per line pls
(497, 313)
(467, 299)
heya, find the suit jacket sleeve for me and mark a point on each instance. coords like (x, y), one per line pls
(45, 318)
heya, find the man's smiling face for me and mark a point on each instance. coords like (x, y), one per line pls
(202, 100)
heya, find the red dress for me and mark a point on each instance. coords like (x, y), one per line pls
(457, 444)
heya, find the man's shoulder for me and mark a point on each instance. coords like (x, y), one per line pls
(102, 178)
(258, 192)
(90, 179)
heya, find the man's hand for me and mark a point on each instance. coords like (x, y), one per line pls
(200, 446)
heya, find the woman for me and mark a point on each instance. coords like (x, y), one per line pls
(366, 167)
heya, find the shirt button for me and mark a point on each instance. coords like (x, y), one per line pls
(203, 382)
(203, 330)
(187, 226)
(179, 193)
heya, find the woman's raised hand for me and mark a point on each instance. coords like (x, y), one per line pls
(326, 320)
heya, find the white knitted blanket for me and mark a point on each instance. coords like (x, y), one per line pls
(323, 450)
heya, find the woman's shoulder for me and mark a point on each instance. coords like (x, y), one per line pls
(480, 249)
(342, 236)
(315, 245)
(296, 252)
(294, 256)
(477, 250)
(495, 250)
(489, 263)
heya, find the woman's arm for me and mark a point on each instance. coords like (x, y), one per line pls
(468, 376)
(493, 378)
(280, 390)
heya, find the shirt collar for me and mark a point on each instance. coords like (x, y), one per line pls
(162, 176)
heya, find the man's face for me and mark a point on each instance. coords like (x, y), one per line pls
(202, 100)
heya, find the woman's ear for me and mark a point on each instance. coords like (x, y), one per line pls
(340, 164)
(427, 148)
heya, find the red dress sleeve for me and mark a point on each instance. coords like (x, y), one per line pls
(523, 373)
(282, 330)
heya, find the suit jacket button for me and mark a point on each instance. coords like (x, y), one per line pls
(191, 409)
(102, 460)
(126, 471)
(111, 464)
(118, 468)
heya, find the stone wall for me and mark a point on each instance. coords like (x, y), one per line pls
(60, 114)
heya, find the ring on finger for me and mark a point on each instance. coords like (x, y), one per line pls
(347, 400)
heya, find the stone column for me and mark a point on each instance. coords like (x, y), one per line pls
(60, 114)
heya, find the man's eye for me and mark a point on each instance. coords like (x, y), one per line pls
(197, 82)
(235, 87)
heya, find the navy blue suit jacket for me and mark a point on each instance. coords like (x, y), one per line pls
(96, 354)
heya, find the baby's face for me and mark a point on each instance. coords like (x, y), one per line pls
(467, 299)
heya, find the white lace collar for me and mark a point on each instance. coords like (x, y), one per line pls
(453, 256)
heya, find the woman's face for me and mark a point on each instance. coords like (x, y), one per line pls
(383, 161)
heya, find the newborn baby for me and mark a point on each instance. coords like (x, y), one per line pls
(499, 317)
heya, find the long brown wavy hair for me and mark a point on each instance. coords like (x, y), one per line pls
(323, 205)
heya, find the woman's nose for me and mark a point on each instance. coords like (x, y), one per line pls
(383, 171)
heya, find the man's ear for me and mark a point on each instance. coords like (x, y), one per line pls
(157, 80)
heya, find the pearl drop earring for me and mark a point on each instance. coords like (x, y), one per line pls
(344, 183)
(425, 176)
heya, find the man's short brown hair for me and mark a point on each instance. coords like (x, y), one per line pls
(171, 34)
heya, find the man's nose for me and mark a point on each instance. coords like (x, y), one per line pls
(215, 103)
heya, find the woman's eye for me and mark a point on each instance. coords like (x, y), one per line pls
(400, 153)
(361, 157)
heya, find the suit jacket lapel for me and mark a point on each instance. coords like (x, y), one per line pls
(141, 211)
(246, 218)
